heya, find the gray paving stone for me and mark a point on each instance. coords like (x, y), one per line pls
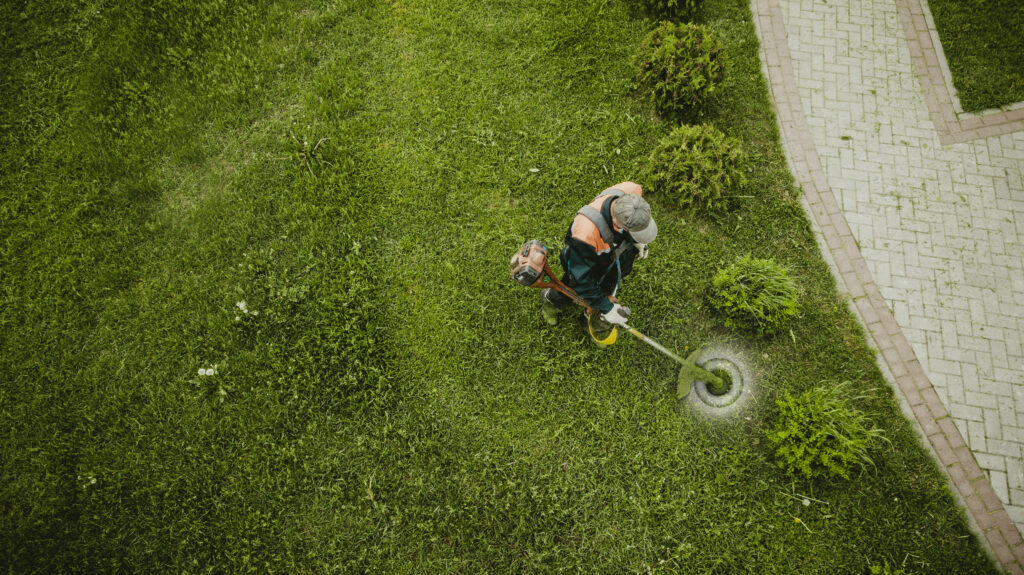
(1017, 497)
(1016, 514)
(980, 399)
(998, 481)
(1007, 414)
(1013, 433)
(1015, 473)
(968, 412)
(993, 424)
(989, 461)
(1000, 388)
(1000, 447)
(976, 437)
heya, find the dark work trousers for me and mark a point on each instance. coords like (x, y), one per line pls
(609, 284)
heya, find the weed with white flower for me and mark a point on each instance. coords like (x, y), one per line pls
(87, 480)
(244, 311)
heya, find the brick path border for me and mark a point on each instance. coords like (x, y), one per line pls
(994, 525)
(953, 127)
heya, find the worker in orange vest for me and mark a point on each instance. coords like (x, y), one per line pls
(605, 238)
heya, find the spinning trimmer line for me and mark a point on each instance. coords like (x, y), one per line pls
(530, 268)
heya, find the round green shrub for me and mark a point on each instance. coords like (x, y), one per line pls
(819, 433)
(754, 295)
(696, 167)
(681, 66)
(672, 9)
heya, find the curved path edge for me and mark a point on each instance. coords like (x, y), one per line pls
(985, 510)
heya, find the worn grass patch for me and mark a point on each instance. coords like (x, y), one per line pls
(358, 174)
(983, 41)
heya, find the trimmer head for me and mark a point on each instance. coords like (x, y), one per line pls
(717, 382)
(690, 372)
(728, 392)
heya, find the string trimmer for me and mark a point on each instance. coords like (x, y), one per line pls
(530, 268)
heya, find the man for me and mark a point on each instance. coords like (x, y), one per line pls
(604, 240)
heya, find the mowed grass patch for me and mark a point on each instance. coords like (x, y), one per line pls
(398, 405)
(983, 41)
(135, 232)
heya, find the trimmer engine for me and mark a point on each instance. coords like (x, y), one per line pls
(528, 263)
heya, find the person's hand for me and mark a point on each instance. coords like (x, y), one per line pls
(617, 315)
(642, 249)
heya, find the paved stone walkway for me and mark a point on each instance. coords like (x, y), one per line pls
(920, 207)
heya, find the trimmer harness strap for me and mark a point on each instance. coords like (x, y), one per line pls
(602, 225)
(595, 216)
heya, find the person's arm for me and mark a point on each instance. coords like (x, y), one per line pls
(584, 266)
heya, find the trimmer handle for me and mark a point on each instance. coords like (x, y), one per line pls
(556, 284)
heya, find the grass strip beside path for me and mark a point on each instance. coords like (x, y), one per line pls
(984, 43)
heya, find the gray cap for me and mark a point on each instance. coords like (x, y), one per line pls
(634, 214)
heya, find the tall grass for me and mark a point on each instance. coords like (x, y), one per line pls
(822, 433)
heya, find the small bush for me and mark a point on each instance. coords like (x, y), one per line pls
(695, 167)
(672, 9)
(755, 295)
(820, 434)
(681, 66)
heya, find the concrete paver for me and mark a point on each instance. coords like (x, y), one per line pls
(922, 209)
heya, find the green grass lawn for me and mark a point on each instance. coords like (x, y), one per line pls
(984, 45)
(358, 174)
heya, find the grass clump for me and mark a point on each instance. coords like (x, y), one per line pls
(983, 41)
(672, 9)
(696, 168)
(681, 67)
(755, 295)
(820, 433)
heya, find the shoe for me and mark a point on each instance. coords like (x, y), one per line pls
(585, 325)
(548, 310)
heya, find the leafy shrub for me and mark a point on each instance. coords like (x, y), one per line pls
(755, 295)
(694, 167)
(672, 9)
(819, 433)
(681, 65)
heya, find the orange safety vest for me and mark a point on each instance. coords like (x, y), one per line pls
(586, 231)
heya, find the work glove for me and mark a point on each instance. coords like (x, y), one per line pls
(617, 315)
(642, 250)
